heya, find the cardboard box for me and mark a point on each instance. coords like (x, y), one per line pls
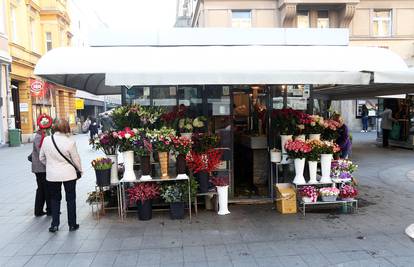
(285, 198)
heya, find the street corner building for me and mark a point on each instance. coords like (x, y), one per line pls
(33, 28)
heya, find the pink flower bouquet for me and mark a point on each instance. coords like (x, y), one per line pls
(297, 149)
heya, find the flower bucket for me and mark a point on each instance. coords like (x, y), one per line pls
(299, 168)
(177, 210)
(275, 156)
(313, 167)
(181, 164)
(203, 183)
(114, 169)
(145, 168)
(129, 174)
(329, 198)
(103, 177)
(326, 160)
(144, 209)
(223, 193)
(163, 157)
(284, 139)
(314, 136)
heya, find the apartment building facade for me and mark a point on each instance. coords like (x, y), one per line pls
(35, 27)
(377, 23)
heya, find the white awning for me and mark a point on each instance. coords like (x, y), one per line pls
(102, 70)
(405, 76)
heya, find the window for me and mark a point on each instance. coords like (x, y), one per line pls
(241, 19)
(302, 19)
(323, 19)
(2, 18)
(381, 23)
(13, 25)
(33, 34)
(49, 45)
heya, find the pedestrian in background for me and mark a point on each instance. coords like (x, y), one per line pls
(364, 118)
(343, 140)
(386, 125)
(60, 155)
(93, 128)
(106, 122)
(44, 123)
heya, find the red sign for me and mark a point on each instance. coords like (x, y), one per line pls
(37, 88)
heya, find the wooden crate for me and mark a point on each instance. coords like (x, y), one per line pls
(285, 198)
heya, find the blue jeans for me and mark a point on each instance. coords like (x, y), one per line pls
(365, 123)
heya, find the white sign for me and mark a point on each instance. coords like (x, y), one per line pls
(24, 107)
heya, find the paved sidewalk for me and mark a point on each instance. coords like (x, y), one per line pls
(249, 236)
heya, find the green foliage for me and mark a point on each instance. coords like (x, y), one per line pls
(178, 191)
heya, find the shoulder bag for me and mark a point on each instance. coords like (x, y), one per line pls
(78, 173)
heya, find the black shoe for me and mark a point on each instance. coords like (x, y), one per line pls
(53, 229)
(73, 227)
(40, 214)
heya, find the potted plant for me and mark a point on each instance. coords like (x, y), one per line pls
(202, 164)
(143, 148)
(313, 157)
(163, 145)
(182, 146)
(222, 185)
(309, 194)
(342, 170)
(170, 119)
(297, 150)
(102, 168)
(302, 120)
(108, 142)
(348, 192)
(174, 195)
(326, 150)
(203, 142)
(329, 194)
(187, 125)
(314, 127)
(127, 138)
(149, 115)
(126, 116)
(142, 194)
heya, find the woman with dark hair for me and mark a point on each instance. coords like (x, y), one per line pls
(60, 155)
(343, 140)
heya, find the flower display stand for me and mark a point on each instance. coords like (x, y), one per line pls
(302, 205)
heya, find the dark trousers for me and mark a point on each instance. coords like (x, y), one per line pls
(385, 137)
(55, 189)
(42, 194)
(365, 123)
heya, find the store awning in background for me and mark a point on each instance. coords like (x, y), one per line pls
(103, 70)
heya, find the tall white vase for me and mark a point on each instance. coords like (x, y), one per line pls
(326, 160)
(114, 169)
(129, 174)
(313, 166)
(284, 138)
(299, 168)
(314, 136)
(223, 193)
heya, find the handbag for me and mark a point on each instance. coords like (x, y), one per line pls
(29, 158)
(78, 173)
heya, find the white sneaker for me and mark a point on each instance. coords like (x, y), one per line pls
(362, 131)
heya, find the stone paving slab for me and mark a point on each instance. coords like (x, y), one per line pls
(249, 236)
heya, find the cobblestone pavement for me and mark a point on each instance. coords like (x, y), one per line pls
(249, 236)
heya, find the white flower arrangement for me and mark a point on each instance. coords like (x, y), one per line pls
(329, 191)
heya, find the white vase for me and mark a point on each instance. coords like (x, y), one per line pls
(284, 138)
(314, 136)
(114, 169)
(223, 192)
(299, 168)
(313, 166)
(275, 156)
(129, 174)
(326, 160)
(301, 137)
